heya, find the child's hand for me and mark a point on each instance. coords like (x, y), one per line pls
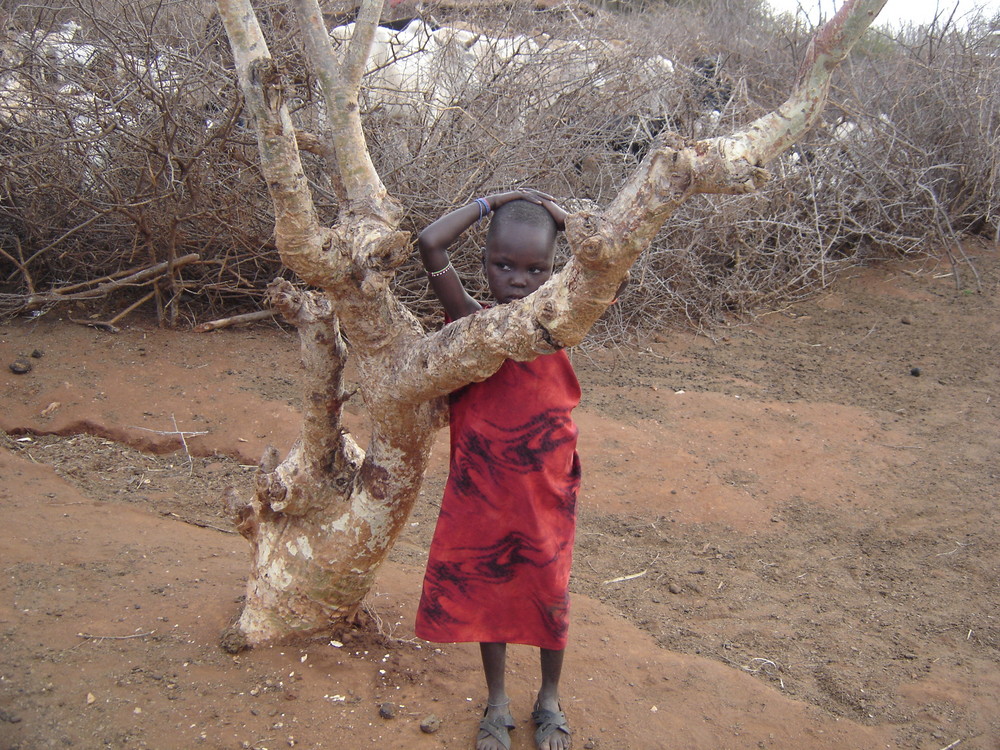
(498, 199)
(535, 196)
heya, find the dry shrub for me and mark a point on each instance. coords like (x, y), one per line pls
(126, 148)
(907, 159)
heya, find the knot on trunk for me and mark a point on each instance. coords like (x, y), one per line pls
(265, 75)
(240, 512)
(548, 314)
(389, 251)
(590, 238)
(271, 491)
(290, 489)
(298, 306)
(729, 165)
(375, 250)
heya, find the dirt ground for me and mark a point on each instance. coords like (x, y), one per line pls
(788, 539)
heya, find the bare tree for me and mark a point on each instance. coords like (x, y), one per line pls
(325, 517)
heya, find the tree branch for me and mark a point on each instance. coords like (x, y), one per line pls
(605, 245)
(326, 450)
(340, 85)
(771, 134)
(299, 237)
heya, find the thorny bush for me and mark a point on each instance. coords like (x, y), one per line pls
(124, 145)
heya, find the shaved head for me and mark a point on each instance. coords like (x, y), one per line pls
(524, 213)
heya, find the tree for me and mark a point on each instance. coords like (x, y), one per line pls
(323, 519)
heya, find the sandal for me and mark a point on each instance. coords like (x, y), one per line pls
(499, 730)
(547, 723)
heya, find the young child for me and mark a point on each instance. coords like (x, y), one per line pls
(499, 563)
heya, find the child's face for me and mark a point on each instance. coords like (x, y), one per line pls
(519, 259)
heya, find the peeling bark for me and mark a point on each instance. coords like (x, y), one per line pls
(324, 518)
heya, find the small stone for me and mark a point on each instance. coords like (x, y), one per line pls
(673, 588)
(20, 366)
(37, 354)
(430, 725)
(589, 745)
(387, 711)
(915, 372)
(906, 321)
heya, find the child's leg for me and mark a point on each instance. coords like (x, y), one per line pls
(497, 703)
(553, 733)
(494, 664)
(548, 695)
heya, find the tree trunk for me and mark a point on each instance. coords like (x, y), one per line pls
(325, 517)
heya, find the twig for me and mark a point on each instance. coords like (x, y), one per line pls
(870, 332)
(109, 283)
(234, 320)
(189, 433)
(184, 443)
(102, 324)
(953, 744)
(619, 579)
(199, 524)
(945, 554)
(64, 235)
(183, 435)
(20, 264)
(132, 307)
(763, 663)
(109, 325)
(92, 637)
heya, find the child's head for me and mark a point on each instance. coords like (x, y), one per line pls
(520, 249)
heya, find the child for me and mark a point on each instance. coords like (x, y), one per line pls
(499, 563)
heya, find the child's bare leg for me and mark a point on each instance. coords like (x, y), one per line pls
(548, 697)
(497, 703)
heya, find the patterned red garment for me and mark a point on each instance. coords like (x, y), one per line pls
(499, 563)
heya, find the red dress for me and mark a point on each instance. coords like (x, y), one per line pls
(499, 563)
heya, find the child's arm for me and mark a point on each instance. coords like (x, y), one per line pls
(558, 213)
(434, 241)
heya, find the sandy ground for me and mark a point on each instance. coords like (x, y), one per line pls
(806, 527)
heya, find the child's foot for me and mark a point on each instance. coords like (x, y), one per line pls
(553, 731)
(494, 729)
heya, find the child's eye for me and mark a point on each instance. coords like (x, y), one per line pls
(503, 266)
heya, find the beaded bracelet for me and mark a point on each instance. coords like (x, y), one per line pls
(484, 208)
(440, 271)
